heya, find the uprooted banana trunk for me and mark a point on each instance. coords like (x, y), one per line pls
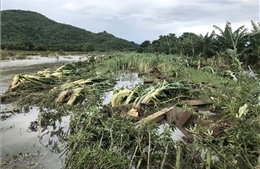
(69, 96)
(149, 95)
(62, 96)
(15, 83)
(75, 94)
(75, 83)
(120, 97)
(45, 73)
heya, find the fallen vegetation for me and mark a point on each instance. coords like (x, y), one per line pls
(216, 108)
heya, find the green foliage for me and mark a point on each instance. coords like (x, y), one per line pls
(88, 47)
(26, 30)
(102, 136)
(237, 141)
(111, 140)
(237, 45)
(251, 52)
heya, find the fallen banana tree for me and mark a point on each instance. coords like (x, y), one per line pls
(69, 95)
(57, 73)
(153, 95)
(69, 82)
(29, 81)
(46, 76)
(71, 91)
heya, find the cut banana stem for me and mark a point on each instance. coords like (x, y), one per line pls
(75, 95)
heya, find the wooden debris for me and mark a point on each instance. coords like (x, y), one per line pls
(199, 102)
(173, 115)
(179, 116)
(184, 119)
(146, 81)
(156, 117)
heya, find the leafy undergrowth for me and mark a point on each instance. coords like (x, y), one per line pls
(105, 136)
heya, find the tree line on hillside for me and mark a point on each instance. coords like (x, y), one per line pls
(241, 43)
(101, 42)
(111, 45)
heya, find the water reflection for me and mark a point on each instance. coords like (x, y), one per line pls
(125, 81)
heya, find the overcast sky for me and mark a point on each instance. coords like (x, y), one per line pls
(139, 20)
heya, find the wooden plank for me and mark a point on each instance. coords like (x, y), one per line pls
(146, 81)
(173, 115)
(184, 119)
(179, 116)
(199, 102)
(156, 117)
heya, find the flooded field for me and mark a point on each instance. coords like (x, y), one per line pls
(21, 147)
(133, 111)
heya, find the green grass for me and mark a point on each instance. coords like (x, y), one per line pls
(173, 65)
(105, 137)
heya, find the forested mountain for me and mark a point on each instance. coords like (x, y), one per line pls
(27, 30)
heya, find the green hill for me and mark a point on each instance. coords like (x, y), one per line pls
(27, 30)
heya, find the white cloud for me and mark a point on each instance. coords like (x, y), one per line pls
(137, 20)
(71, 6)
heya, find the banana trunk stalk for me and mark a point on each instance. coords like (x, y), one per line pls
(62, 96)
(75, 95)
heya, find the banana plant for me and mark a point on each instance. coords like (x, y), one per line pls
(251, 53)
(207, 45)
(229, 39)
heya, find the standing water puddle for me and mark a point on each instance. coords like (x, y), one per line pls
(129, 81)
(126, 81)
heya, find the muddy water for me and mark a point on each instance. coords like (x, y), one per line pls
(19, 146)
